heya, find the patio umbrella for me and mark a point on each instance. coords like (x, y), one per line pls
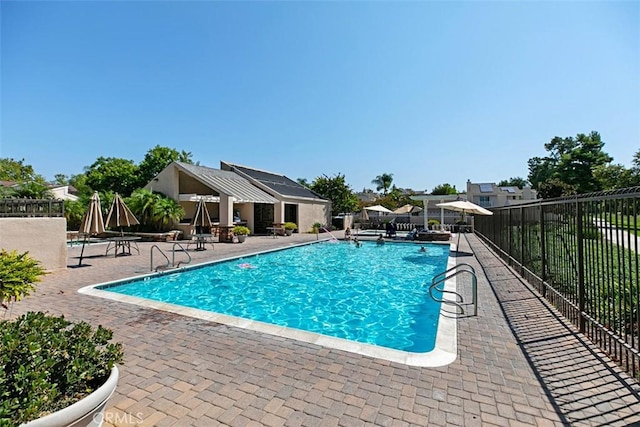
(92, 222)
(120, 215)
(364, 218)
(201, 218)
(378, 208)
(407, 209)
(466, 208)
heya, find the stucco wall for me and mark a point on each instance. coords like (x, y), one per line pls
(310, 213)
(44, 238)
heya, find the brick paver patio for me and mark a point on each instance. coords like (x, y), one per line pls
(519, 363)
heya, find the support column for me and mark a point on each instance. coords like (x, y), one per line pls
(226, 218)
(278, 213)
(425, 220)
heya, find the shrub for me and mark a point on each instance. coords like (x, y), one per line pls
(18, 273)
(241, 230)
(290, 226)
(48, 363)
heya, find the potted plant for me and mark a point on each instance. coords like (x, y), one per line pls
(315, 228)
(52, 372)
(241, 232)
(289, 227)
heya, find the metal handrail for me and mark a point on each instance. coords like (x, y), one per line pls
(173, 257)
(438, 279)
(455, 267)
(163, 254)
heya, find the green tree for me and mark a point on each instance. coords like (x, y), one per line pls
(112, 174)
(383, 182)
(444, 189)
(572, 161)
(397, 197)
(61, 179)
(157, 159)
(336, 189)
(635, 170)
(541, 169)
(555, 187)
(74, 211)
(142, 203)
(79, 182)
(166, 212)
(303, 181)
(18, 171)
(612, 177)
(32, 190)
(514, 182)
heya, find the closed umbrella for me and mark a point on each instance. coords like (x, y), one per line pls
(364, 218)
(120, 215)
(466, 208)
(92, 222)
(201, 218)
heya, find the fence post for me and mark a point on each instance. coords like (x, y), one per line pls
(580, 244)
(543, 251)
(510, 235)
(522, 232)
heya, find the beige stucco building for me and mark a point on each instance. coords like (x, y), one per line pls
(241, 195)
(490, 195)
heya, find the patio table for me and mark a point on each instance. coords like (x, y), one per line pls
(202, 239)
(122, 244)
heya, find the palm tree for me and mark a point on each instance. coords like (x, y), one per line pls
(166, 212)
(141, 203)
(383, 182)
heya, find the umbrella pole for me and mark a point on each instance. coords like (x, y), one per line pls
(459, 233)
(82, 251)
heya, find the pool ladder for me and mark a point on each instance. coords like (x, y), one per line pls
(172, 263)
(441, 278)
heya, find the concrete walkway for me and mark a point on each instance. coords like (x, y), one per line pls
(519, 363)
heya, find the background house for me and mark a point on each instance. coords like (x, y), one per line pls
(489, 195)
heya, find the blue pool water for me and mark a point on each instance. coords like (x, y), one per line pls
(375, 294)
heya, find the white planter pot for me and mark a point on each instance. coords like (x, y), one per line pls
(241, 238)
(88, 412)
(288, 231)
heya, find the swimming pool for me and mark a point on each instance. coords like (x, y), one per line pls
(372, 300)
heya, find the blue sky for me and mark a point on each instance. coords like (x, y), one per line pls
(432, 92)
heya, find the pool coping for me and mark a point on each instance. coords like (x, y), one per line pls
(444, 353)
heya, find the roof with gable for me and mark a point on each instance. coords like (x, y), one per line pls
(228, 182)
(277, 183)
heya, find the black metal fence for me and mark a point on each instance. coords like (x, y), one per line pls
(23, 208)
(581, 254)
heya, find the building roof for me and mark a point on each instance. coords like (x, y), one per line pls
(280, 184)
(229, 183)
